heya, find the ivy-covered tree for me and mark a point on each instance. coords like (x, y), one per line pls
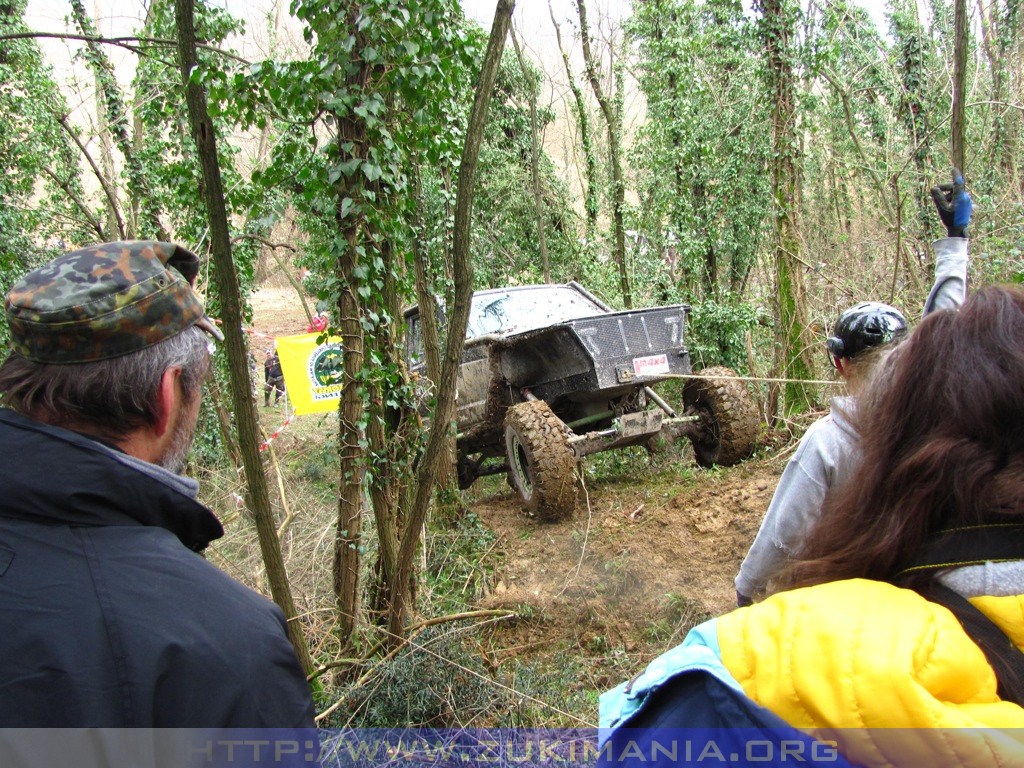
(611, 108)
(374, 108)
(506, 235)
(702, 154)
(43, 203)
(778, 29)
(163, 146)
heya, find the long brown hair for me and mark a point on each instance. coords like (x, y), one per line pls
(942, 443)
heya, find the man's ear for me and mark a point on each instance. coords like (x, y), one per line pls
(167, 401)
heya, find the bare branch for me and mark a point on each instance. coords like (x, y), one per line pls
(122, 42)
(108, 190)
(93, 221)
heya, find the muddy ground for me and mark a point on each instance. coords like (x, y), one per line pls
(631, 545)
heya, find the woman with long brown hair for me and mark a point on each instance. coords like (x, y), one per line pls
(906, 608)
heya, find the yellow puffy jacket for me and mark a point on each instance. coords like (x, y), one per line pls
(862, 654)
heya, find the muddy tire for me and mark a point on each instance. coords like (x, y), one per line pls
(542, 466)
(729, 418)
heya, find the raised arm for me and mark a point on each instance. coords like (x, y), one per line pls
(955, 207)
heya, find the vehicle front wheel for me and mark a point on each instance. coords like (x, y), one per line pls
(729, 418)
(542, 465)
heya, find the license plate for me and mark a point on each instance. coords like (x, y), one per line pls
(649, 366)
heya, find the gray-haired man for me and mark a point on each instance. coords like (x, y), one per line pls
(110, 617)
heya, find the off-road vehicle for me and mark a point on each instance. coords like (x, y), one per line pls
(551, 374)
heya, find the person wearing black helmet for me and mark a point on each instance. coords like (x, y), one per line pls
(862, 326)
(826, 456)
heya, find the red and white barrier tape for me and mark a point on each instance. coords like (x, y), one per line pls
(266, 443)
(254, 332)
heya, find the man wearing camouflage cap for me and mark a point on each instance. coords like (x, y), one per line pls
(110, 617)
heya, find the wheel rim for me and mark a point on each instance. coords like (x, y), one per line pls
(521, 467)
(708, 446)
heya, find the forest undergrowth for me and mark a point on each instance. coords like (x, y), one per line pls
(518, 623)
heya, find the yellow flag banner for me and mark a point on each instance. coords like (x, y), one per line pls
(312, 372)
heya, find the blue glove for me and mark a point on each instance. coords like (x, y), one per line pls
(954, 205)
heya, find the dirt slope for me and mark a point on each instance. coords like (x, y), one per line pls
(631, 548)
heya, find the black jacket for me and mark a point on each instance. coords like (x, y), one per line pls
(109, 618)
(272, 369)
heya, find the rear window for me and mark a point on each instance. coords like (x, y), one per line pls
(525, 309)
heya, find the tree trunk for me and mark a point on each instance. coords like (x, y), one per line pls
(347, 557)
(535, 140)
(110, 172)
(590, 205)
(423, 282)
(791, 347)
(102, 177)
(614, 152)
(444, 408)
(117, 120)
(389, 437)
(958, 120)
(240, 372)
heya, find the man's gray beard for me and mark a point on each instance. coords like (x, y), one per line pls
(176, 455)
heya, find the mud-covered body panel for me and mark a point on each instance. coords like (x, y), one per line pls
(598, 357)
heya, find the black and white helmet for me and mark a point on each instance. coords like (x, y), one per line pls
(866, 325)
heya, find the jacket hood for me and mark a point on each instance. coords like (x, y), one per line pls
(56, 476)
(866, 654)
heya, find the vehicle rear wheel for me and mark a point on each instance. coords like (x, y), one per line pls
(729, 417)
(542, 465)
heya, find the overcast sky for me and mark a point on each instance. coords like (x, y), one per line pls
(530, 15)
(534, 13)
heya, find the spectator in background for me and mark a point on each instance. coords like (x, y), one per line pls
(273, 377)
(318, 324)
(827, 454)
(901, 635)
(111, 617)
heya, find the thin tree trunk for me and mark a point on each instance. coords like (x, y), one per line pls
(142, 95)
(231, 311)
(90, 217)
(117, 120)
(109, 169)
(102, 177)
(388, 439)
(590, 205)
(538, 192)
(444, 408)
(347, 556)
(791, 359)
(614, 152)
(428, 317)
(958, 121)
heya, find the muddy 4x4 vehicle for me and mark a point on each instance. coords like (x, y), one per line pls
(551, 374)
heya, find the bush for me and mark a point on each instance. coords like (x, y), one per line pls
(435, 681)
(717, 334)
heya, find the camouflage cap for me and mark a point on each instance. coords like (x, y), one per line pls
(105, 301)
